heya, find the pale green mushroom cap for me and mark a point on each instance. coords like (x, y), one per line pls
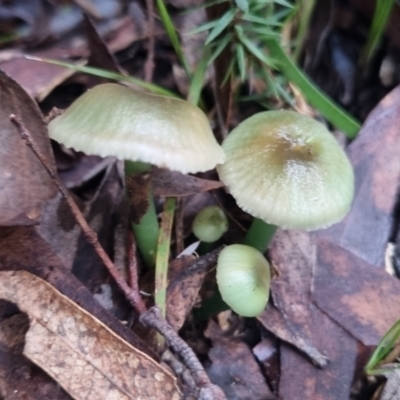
(243, 278)
(114, 120)
(210, 224)
(288, 170)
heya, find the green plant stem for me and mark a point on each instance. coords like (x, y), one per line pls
(205, 248)
(331, 111)
(304, 11)
(210, 306)
(163, 250)
(259, 235)
(173, 37)
(147, 231)
(382, 12)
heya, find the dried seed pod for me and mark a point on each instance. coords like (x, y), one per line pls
(243, 277)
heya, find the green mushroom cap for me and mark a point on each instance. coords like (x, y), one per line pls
(243, 278)
(210, 224)
(288, 170)
(115, 120)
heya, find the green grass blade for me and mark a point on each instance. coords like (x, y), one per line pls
(173, 37)
(242, 5)
(103, 73)
(241, 61)
(196, 84)
(304, 11)
(382, 13)
(163, 250)
(331, 111)
(205, 27)
(223, 22)
(255, 51)
(383, 349)
(220, 47)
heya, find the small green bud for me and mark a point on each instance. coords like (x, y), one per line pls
(210, 224)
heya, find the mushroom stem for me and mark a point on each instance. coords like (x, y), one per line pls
(147, 231)
(259, 235)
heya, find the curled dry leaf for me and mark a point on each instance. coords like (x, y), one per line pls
(87, 359)
(25, 185)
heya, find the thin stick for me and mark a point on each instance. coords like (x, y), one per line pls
(133, 279)
(153, 318)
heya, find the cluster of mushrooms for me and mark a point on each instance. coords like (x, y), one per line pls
(281, 167)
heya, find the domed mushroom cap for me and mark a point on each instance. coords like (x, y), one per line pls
(288, 170)
(114, 120)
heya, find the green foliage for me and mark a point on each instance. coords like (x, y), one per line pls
(251, 29)
(382, 13)
(385, 346)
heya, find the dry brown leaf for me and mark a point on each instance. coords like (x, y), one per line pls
(24, 184)
(364, 300)
(37, 78)
(85, 357)
(293, 254)
(234, 368)
(168, 183)
(375, 156)
(22, 248)
(15, 368)
(300, 322)
(183, 289)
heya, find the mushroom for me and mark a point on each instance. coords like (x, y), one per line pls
(114, 120)
(286, 169)
(243, 278)
(208, 226)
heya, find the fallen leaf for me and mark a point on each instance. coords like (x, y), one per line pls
(85, 357)
(234, 368)
(267, 354)
(24, 184)
(186, 276)
(301, 378)
(374, 154)
(391, 390)
(362, 299)
(38, 79)
(293, 254)
(302, 324)
(15, 368)
(168, 183)
(22, 248)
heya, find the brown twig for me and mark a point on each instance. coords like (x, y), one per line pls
(151, 317)
(133, 279)
(179, 235)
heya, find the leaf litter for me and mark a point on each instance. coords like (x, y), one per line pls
(332, 300)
